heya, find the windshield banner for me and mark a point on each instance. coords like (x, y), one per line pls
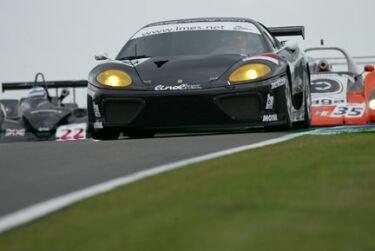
(198, 26)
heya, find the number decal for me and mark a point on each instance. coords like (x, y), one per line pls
(355, 112)
(350, 111)
(71, 132)
(79, 134)
(340, 111)
(65, 136)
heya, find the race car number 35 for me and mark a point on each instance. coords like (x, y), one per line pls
(349, 111)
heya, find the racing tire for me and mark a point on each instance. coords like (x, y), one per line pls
(105, 134)
(306, 122)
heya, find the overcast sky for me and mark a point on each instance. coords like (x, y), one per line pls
(61, 37)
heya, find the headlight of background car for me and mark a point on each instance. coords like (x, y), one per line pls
(115, 78)
(249, 72)
(372, 104)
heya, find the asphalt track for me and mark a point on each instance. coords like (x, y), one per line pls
(32, 172)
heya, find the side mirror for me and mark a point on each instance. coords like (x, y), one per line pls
(101, 57)
(291, 46)
(369, 68)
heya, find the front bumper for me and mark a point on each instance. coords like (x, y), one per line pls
(243, 105)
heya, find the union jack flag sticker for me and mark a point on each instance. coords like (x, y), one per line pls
(14, 132)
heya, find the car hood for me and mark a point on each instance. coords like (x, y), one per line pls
(184, 69)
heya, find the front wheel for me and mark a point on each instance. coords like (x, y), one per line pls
(288, 106)
(306, 122)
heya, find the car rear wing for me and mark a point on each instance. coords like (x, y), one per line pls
(287, 31)
(359, 60)
(48, 84)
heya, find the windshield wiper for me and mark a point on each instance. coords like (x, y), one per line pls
(134, 57)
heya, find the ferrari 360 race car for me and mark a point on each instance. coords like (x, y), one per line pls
(200, 73)
(340, 96)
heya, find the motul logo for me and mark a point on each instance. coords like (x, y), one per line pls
(270, 118)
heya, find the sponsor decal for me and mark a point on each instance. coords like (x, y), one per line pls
(270, 118)
(278, 83)
(71, 132)
(14, 132)
(177, 87)
(270, 101)
(327, 101)
(326, 86)
(98, 125)
(43, 129)
(96, 110)
(328, 89)
(323, 113)
(197, 26)
(322, 86)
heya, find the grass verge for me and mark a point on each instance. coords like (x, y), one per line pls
(312, 193)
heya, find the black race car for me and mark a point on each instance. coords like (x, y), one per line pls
(200, 73)
(40, 116)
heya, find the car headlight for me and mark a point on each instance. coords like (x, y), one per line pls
(115, 78)
(249, 72)
(372, 104)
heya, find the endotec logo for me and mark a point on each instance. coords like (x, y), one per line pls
(177, 87)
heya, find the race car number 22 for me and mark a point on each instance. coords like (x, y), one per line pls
(71, 132)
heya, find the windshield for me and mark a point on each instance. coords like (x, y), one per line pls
(206, 42)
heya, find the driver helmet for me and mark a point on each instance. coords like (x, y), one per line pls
(323, 66)
(38, 91)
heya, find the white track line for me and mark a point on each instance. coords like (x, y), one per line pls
(39, 210)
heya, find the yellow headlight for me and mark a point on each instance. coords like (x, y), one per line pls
(249, 72)
(115, 78)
